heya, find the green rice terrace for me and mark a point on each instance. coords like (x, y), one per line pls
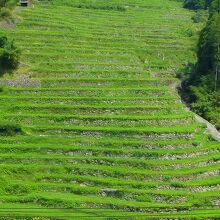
(94, 126)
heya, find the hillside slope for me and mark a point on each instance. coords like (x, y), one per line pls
(104, 131)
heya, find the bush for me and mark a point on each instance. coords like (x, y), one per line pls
(197, 4)
(5, 13)
(10, 129)
(6, 7)
(9, 55)
(199, 17)
(189, 32)
(8, 3)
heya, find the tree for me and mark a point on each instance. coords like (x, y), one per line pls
(9, 55)
(197, 4)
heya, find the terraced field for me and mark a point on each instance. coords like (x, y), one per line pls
(105, 135)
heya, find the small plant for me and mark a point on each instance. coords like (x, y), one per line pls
(189, 32)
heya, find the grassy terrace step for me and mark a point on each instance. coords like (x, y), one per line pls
(140, 174)
(101, 34)
(5, 96)
(110, 129)
(177, 106)
(94, 146)
(123, 149)
(79, 189)
(109, 46)
(130, 156)
(77, 183)
(108, 42)
(110, 142)
(27, 158)
(94, 202)
(85, 73)
(94, 214)
(168, 185)
(94, 109)
(97, 73)
(105, 83)
(97, 120)
(92, 93)
(34, 50)
(60, 117)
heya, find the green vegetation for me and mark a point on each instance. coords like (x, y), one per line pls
(203, 84)
(9, 55)
(197, 4)
(98, 112)
(9, 129)
(6, 7)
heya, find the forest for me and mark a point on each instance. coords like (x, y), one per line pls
(203, 83)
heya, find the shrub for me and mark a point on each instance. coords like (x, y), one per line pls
(10, 129)
(196, 4)
(199, 17)
(189, 32)
(9, 55)
(8, 3)
(5, 13)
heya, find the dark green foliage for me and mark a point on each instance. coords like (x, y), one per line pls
(6, 7)
(206, 101)
(9, 129)
(209, 44)
(8, 3)
(200, 16)
(9, 55)
(197, 4)
(189, 32)
(204, 83)
(5, 13)
(215, 7)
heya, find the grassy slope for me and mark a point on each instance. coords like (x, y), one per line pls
(99, 109)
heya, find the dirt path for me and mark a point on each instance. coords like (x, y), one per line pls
(210, 127)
